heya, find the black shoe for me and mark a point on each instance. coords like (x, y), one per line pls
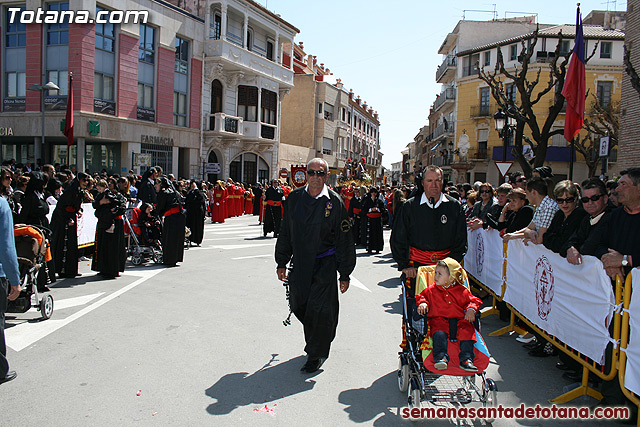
(572, 376)
(468, 366)
(312, 365)
(533, 345)
(563, 366)
(8, 377)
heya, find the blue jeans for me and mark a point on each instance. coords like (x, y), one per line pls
(440, 339)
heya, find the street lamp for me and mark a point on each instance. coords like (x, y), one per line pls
(504, 124)
(37, 148)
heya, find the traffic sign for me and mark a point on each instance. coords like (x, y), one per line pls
(212, 168)
(604, 146)
(504, 167)
(284, 174)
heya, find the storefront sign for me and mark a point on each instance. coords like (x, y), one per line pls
(146, 114)
(52, 103)
(156, 140)
(104, 107)
(6, 131)
(143, 160)
(13, 104)
(94, 127)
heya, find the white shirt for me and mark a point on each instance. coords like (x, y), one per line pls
(324, 192)
(442, 199)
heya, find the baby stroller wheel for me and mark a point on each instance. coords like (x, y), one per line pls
(490, 396)
(136, 259)
(403, 374)
(157, 257)
(46, 306)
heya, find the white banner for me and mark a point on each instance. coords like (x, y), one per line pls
(571, 302)
(87, 224)
(484, 258)
(632, 372)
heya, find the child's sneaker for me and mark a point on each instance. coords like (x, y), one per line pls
(111, 229)
(468, 366)
(441, 365)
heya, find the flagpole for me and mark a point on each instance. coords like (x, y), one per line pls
(571, 159)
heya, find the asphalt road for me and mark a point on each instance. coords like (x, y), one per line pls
(204, 344)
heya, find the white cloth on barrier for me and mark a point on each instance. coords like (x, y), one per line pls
(87, 224)
(484, 258)
(632, 371)
(571, 302)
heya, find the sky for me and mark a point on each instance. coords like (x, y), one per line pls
(387, 52)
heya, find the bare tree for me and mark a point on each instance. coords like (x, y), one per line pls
(630, 70)
(600, 121)
(530, 92)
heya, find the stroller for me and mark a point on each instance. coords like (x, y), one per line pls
(33, 252)
(416, 373)
(143, 241)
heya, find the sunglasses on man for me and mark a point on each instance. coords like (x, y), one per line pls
(319, 173)
(593, 198)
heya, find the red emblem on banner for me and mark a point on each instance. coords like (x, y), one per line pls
(543, 280)
(298, 175)
(479, 253)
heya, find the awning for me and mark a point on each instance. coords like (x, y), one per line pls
(435, 146)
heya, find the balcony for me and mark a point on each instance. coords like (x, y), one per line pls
(447, 69)
(223, 123)
(482, 111)
(236, 58)
(477, 154)
(441, 160)
(447, 96)
(554, 154)
(444, 130)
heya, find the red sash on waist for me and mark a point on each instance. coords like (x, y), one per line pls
(173, 210)
(427, 257)
(70, 209)
(374, 215)
(274, 203)
(118, 217)
(356, 211)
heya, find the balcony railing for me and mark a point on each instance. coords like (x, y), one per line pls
(477, 154)
(447, 95)
(221, 122)
(441, 160)
(443, 129)
(449, 63)
(268, 131)
(482, 110)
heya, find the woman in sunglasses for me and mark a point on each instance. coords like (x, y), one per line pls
(566, 221)
(482, 207)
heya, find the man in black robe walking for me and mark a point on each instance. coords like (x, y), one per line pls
(316, 232)
(273, 210)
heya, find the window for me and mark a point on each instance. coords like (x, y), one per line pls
(327, 145)
(182, 56)
(269, 106)
(103, 87)
(58, 34)
(513, 52)
(216, 26)
(484, 101)
(216, 97)
(145, 95)
(470, 65)
(511, 91)
(328, 112)
(564, 48)
(105, 35)
(349, 117)
(248, 103)
(605, 50)
(16, 85)
(146, 44)
(179, 109)
(604, 93)
(16, 33)
(269, 50)
(250, 38)
(487, 58)
(61, 78)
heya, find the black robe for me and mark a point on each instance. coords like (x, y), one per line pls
(355, 208)
(273, 214)
(64, 242)
(371, 228)
(109, 255)
(196, 210)
(561, 229)
(316, 233)
(257, 201)
(173, 227)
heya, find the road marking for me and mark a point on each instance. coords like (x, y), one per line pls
(23, 335)
(240, 236)
(244, 231)
(244, 246)
(61, 304)
(358, 284)
(254, 256)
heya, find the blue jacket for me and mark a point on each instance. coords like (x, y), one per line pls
(8, 256)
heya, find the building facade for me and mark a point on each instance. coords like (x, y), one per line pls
(629, 149)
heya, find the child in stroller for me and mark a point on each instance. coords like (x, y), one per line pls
(146, 235)
(149, 225)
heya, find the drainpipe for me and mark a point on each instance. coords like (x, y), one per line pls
(202, 120)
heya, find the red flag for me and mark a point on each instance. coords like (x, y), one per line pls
(575, 85)
(68, 120)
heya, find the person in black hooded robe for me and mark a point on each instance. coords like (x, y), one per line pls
(273, 210)
(371, 214)
(64, 227)
(170, 206)
(316, 233)
(109, 257)
(196, 205)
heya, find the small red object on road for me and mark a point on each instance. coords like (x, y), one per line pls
(139, 393)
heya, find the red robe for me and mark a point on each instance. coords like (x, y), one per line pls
(347, 195)
(217, 207)
(262, 208)
(451, 302)
(248, 203)
(231, 200)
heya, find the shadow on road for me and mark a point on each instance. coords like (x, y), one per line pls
(271, 382)
(366, 404)
(392, 283)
